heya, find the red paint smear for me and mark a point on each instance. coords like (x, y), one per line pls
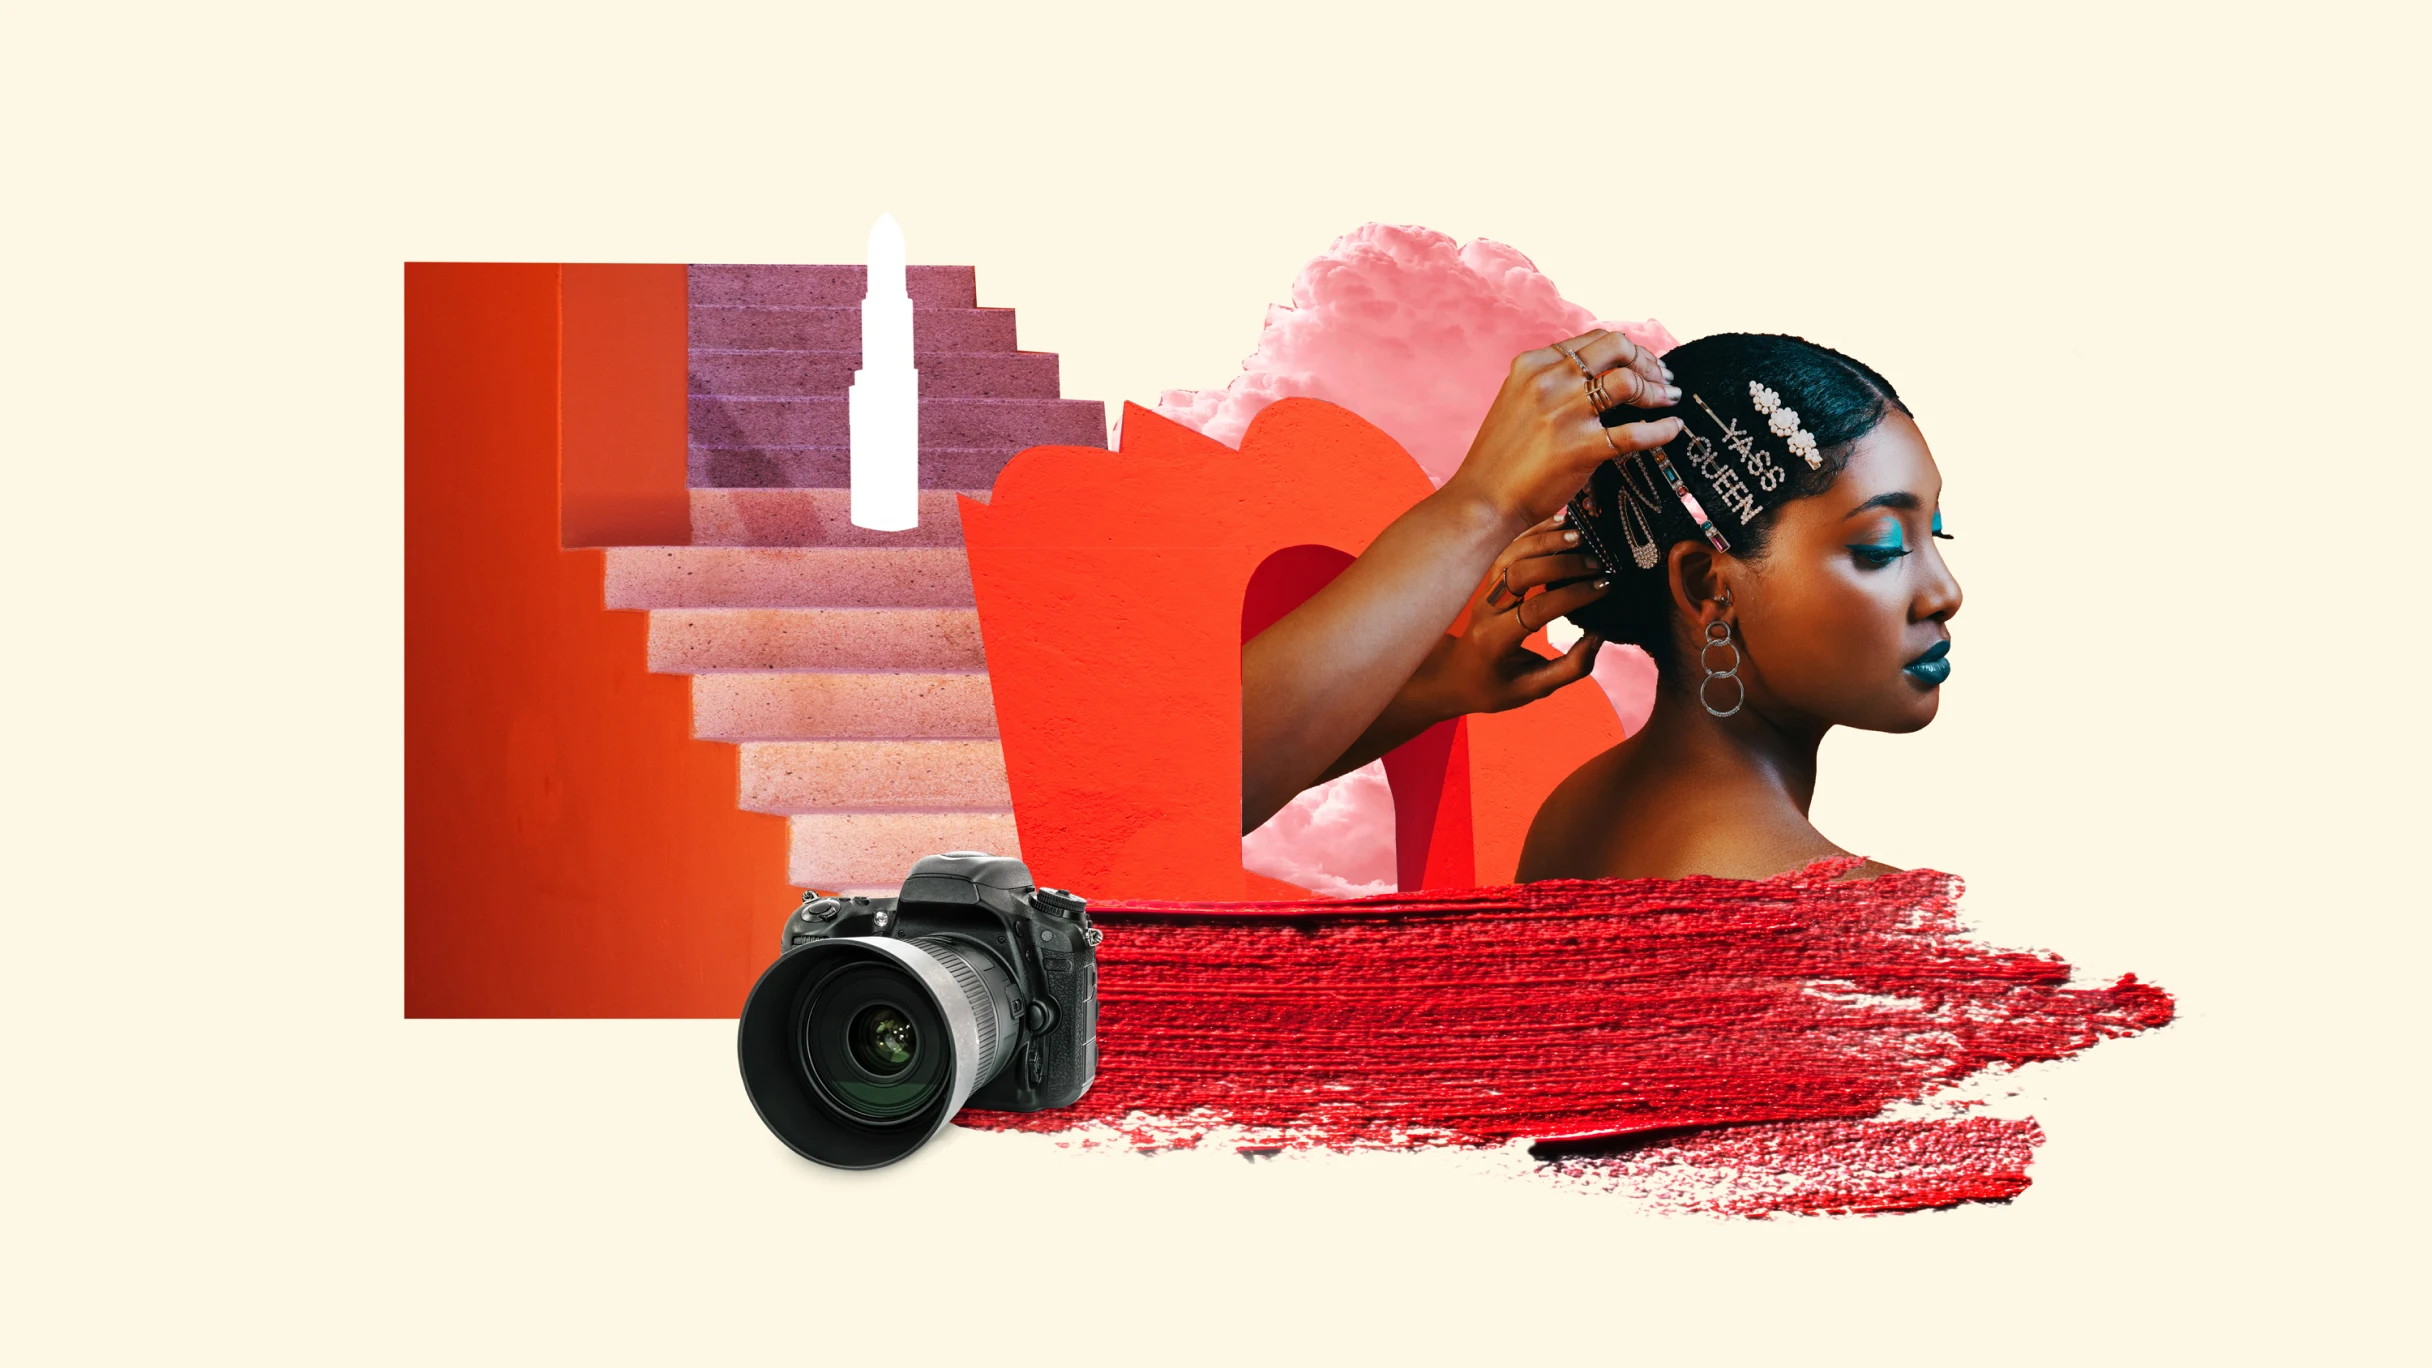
(1573, 1009)
(1816, 1167)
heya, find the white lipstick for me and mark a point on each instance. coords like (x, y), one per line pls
(883, 406)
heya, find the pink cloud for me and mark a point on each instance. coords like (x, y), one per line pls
(1407, 329)
(1330, 839)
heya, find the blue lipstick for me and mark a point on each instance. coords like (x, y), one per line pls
(1932, 667)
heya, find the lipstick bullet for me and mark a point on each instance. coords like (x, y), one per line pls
(883, 406)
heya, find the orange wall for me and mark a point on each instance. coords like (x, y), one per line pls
(570, 849)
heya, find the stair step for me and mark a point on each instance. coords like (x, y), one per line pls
(950, 375)
(841, 705)
(911, 576)
(935, 287)
(817, 517)
(826, 420)
(839, 329)
(831, 467)
(879, 848)
(703, 640)
(923, 775)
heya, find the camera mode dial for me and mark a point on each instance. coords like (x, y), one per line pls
(1061, 903)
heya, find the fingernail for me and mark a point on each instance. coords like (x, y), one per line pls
(1595, 564)
(1672, 392)
(1604, 584)
(1570, 538)
(1562, 515)
(1666, 369)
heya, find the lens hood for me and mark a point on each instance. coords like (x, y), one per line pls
(795, 1074)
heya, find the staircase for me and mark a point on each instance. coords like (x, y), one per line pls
(844, 663)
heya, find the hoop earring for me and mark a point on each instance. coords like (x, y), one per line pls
(1713, 674)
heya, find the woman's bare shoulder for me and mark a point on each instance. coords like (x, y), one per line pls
(1568, 833)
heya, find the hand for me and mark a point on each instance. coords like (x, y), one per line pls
(1488, 667)
(1542, 439)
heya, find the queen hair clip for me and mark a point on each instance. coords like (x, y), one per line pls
(1639, 502)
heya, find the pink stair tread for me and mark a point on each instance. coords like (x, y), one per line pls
(839, 329)
(832, 467)
(728, 421)
(788, 577)
(861, 776)
(816, 517)
(706, 640)
(769, 705)
(931, 287)
(774, 372)
(877, 848)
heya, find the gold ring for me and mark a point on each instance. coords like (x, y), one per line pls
(1597, 398)
(1503, 585)
(1574, 358)
(1608, 440)
(1521, 612)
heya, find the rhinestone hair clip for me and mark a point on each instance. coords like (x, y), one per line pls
(1784, 423)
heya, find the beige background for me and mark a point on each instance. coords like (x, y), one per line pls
(2151, 279)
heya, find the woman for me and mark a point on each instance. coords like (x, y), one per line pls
(1780, 565)
(1766, 535)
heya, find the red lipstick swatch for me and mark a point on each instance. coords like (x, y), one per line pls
(1727, 1042)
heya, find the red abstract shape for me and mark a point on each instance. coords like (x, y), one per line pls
(1111, 586)
(1569, 1009)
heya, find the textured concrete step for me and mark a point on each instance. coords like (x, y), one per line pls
(927, 776)
(879, 848)
(806, 706)
(931, 287)
(701, 640)
(950, 375)
(758, 326)
(788, 577)
(816, 517)
(719, 421)
(832, 467)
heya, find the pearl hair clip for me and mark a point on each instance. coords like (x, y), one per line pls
(1784, 423)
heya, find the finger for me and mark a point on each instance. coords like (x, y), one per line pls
(1563, 355)
(1632, 388)
(1532, 614)
(1562, 602)
(1550, 542)
(1615, 351)
(1531, 571)
(1545, 539)
(1579, 348)
(1640, 436)
(1570, 667)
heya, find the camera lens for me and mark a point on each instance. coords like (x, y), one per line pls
(855, 1051)
(883, 1040)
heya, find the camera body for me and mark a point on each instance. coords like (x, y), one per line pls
(1037, 999)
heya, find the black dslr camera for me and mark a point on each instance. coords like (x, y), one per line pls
(883, 1017)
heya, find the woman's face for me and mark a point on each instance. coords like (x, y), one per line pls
(1844, 619)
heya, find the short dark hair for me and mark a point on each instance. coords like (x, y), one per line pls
(1838, 399)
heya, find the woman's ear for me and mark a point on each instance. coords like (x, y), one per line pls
(1696, 579)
